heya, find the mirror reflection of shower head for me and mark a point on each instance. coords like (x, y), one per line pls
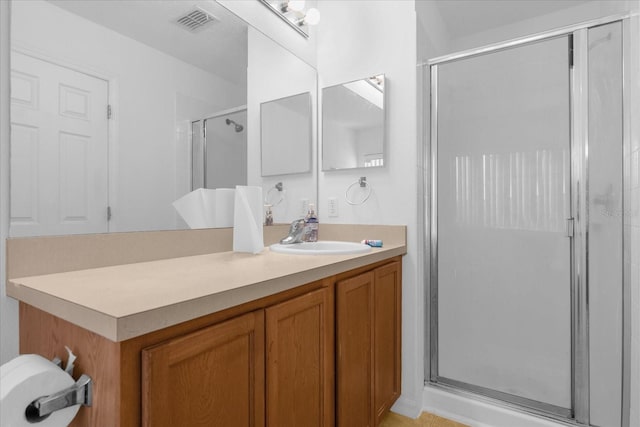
(238, 127)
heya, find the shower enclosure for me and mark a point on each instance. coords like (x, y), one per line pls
(219, 150)
(527, 214)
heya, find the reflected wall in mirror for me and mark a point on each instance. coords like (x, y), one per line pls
(285, 135)
(76, 170)
(268, 63)
(353, 124)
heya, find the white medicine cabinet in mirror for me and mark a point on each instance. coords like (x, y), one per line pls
(286, 135)
(119, 108)
(353, 124)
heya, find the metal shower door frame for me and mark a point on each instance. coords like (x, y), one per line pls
(578, 97)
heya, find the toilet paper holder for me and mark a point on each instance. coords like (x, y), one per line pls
(79, 393)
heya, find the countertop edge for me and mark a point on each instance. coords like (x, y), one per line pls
(92, 320)
(124, 328)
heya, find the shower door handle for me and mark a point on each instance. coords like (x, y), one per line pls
(570, 227)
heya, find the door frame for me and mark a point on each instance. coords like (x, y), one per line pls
(579, 170)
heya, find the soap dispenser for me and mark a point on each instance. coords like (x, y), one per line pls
(311, 225)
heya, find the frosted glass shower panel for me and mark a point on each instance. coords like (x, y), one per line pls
(503, 197)
(226, 150)
(605, 223)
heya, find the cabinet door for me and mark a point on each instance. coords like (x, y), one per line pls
(354, 315)
(300, 361)
(214, 376)
(387, 337)
(368, 312)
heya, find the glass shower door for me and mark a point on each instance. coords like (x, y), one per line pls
(225, 150)
(502, 269)
(219, 150)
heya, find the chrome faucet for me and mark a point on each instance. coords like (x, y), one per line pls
(296, 233)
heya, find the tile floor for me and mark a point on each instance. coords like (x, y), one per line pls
(425, 420)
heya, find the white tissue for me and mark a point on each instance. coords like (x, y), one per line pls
(25, 379)
(207, 208)
(247, 220)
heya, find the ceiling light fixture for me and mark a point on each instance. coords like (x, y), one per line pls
(297, 5)
(293, 13)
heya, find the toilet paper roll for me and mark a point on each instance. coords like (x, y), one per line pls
(25, 379)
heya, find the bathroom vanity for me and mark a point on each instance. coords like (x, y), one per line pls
(187, 338)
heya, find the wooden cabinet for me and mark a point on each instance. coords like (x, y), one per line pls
(387, 338)
(269, 362)
(368, 316)
(354, 315)
(218, 373)
(300, 360)
(213, 374)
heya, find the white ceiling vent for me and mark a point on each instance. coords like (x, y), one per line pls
(196, 19)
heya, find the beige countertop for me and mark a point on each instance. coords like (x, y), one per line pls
(121, 302)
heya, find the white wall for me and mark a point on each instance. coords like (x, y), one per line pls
(356, 41)
(561, 18)
(433, 38)
(8, 307)
(275, 73)
(144, 85)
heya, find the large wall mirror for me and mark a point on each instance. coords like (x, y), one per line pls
(118, 108)
(353, 124)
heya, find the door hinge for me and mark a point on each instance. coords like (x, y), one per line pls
(108, 213)
(109, 112)
(570, 227)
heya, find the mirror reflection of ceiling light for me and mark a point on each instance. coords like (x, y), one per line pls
(371, 89)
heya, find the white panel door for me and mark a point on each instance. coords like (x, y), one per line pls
(59, 151)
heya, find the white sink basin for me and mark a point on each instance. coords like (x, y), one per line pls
(323, 247)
